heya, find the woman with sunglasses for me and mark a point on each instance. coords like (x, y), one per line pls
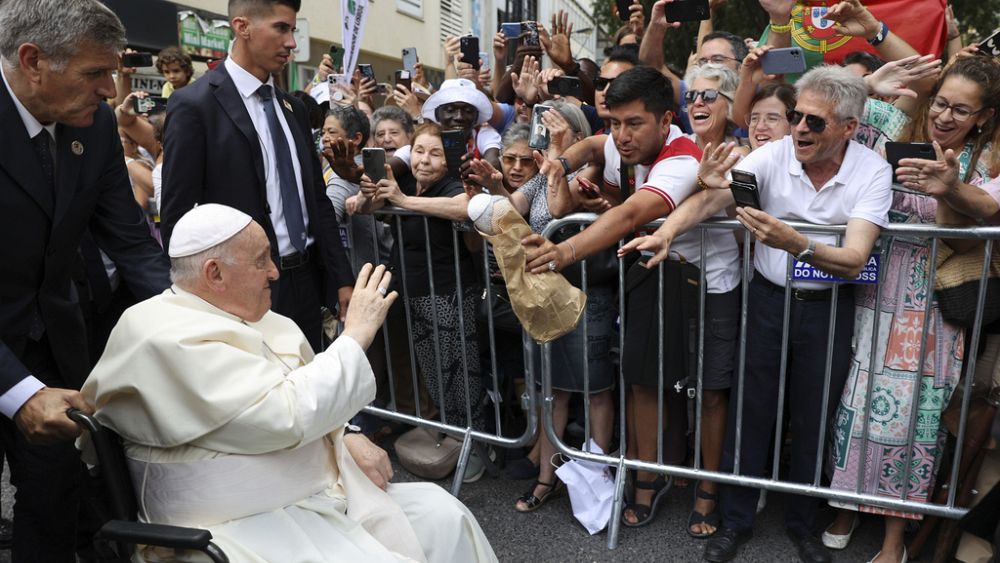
(960, 117)
(568, 125)
(711, 89)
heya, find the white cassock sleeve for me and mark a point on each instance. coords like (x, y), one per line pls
(314, 400)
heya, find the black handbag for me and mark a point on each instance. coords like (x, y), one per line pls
(957, 285)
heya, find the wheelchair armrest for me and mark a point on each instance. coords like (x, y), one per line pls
(155, 534)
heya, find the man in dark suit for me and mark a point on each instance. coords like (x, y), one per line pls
(231, 137)
(62, 171)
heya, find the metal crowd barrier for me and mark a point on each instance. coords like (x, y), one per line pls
(467, 434)
(815, 489)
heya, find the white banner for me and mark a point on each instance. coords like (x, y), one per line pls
(355, 12)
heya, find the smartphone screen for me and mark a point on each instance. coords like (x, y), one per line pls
(539, 134)
(565, 86)
(623, 13)
(373, 160)
(367, 71)
(687, 10)
(530, 31)
(511, 30)
(991, 45)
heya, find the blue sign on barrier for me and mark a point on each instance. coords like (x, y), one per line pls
(807, 272)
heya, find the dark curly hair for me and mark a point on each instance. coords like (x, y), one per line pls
(172, 55)
(984, 72)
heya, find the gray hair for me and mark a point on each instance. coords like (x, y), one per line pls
(57, 27)
(393, 113)
(725, 76)
(573, 115)
(518, 132)
(184, 271)
(837, 85)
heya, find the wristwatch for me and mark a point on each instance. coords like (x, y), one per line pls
(565, 164)
(352, 429)
(807, 254)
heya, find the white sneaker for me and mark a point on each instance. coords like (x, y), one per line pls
(840, 541)
(475, 467)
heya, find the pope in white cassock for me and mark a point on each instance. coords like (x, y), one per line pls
(231, 423)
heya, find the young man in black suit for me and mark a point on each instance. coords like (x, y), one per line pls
(62, 171)
(233, 138)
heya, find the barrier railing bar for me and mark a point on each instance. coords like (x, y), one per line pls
(873, 354)
(741, 363)
(824, 407)
(459, 290)
(660, 421)
(779, 421)
(700, 367)
(434, 328)
(488, 297)
(414, 367)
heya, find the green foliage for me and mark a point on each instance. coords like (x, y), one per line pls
(742, 17)
(976, 18)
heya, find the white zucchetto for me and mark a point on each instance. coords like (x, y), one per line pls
(205, 226)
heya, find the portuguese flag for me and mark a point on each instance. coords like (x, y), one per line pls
(920, 22)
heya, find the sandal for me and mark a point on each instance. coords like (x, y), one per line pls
(644, 514)
(712, 518)
(533, 503)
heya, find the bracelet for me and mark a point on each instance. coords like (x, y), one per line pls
(572, 249)
(702, 184)
(880, 36)
(787, 28)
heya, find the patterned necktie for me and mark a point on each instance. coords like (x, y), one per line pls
(290, 204)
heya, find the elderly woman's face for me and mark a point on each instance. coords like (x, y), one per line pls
(767, 122)
(457, 115)
(708, 119)
(955, 111)
(427, 160)
(518, 164)
(390, 135)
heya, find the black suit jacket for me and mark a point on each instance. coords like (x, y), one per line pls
(40, 237)
(212, 155)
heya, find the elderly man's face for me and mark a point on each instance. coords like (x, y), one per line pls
(248, 275)
(71, 95)
(813, 147)
(457, 115)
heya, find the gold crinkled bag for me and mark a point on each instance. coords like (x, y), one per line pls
(547, 305)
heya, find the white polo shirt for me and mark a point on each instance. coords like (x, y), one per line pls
(673, 177)
(861, 189)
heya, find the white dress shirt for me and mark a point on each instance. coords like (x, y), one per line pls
(247, 85)
(16, 396)
(861, 189)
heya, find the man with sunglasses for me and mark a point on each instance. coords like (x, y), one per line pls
(816, 175)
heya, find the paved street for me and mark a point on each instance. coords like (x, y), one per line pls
(552, 535)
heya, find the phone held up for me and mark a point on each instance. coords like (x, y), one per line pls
(149, 104)
(687, 11)
(469, 46)
(137, 60)
(566, 86)
(373, 160)
(456, 144)
(410, 59)
(539, 134)
(744, 188)
(788, 60)
(403, 78)
(894, 152)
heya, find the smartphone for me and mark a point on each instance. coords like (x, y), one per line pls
(384, 89)
(485, 58)
(539, 134)
(623, 13)
(530, 31)
(403, 77)
(789, 60)
(894, 152)
(469, 45)
(367, 71)
(137, 60)
(340, 85)
(991, 45)
(566, 86)
(744, 188)
(687, 11)
(410, 59)
(337, 54)
(456, 144)
(374, 163)
(511, 30)
(588, 188)
(149, 104)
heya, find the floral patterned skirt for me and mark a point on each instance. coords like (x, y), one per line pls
(901, 398)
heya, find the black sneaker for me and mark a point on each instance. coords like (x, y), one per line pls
(811, 549)
(725, 544)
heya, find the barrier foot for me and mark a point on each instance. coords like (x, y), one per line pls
(614, 526)
(463, 461)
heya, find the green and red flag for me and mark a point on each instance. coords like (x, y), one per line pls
(920, 22)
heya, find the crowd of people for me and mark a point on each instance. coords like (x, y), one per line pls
(231, 230)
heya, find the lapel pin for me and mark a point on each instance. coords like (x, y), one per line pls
(76, 147)
(288, 106)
